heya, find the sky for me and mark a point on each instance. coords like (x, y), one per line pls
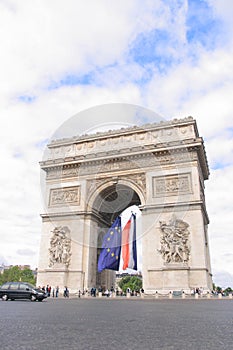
(61, 57)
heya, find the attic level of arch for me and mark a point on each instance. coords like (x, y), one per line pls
(174, 133)
(170, 127)
(130, 159)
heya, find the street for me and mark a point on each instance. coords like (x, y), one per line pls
(94, 323)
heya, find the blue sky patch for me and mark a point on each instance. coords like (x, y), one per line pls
(76, 80)
(153, 47)
(93, 77)
(26, 98)
(230, 131)
(219, 165)
(163, 48)
(72, 80)
(202, 26)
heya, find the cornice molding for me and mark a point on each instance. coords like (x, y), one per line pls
(128, 153)
(123, 131)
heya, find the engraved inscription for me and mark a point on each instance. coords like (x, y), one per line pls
(61, 196)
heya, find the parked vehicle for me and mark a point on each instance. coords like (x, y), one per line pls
(21, 290)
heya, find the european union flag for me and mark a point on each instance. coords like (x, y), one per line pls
(111, 248)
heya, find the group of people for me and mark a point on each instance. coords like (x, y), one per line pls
(197, 290)
(54, 291)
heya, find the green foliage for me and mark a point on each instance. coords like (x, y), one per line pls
(219, 289)
(228, 290)
(132, 282)
(28, 276)
(15, 274)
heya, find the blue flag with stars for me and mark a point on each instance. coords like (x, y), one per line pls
(111, 248)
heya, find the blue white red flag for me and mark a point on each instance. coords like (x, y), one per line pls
(111, 248)
(128, 244)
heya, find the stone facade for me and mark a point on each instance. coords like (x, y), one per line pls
(90, 179)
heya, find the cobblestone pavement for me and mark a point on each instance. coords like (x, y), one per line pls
(94, 323)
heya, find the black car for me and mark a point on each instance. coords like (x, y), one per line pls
(21, 290)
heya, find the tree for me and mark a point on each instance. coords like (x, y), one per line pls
(134, 283)
(27, 276)
(218, 289)
(228, 290)
(14, 274)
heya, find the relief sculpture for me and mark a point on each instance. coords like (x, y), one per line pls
(174, 241)
(60, 246)
(171, 185)
(65, 196)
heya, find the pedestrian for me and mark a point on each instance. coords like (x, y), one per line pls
(48, 290)
(66, 292)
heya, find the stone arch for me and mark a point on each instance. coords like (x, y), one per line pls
(92, 178)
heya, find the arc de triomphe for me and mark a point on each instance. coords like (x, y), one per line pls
(92, 178)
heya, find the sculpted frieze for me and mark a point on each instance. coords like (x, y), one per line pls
(70, 171)
(64, 196)
(121, 164)
(63, 172)
(101, 162)
(173, 184)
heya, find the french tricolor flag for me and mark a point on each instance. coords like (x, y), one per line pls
(128, 244)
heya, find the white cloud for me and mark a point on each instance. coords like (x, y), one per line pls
(43, 41)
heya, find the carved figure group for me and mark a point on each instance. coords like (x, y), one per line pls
(174, 241)
(60, 246)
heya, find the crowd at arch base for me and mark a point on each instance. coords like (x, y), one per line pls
(54, 291)
(93, 292)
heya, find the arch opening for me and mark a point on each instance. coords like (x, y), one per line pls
(112, 200)
(110, 203)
